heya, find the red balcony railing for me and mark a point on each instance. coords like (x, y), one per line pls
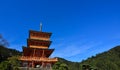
(24, 58)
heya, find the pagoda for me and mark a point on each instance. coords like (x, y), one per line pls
(37, 53)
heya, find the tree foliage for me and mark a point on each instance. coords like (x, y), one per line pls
(11, 63)
(60, 66)
(6, 52)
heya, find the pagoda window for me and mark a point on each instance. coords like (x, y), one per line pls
(33, 43)
(39, 34)
(43, 35)
(39, 44)
(30, 43)
(36, 43)
(33, 34)
(42, 43)
(36, 35)
(47, 36)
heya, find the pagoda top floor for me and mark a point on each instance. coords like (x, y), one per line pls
(39, 35)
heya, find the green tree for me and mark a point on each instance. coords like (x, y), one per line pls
(11, 64)
(60, 66)
(5, 65)
(63, 66)
(14, 62)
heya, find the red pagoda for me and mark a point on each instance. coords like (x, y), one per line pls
(37, 52)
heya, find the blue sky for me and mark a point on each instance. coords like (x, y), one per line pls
(81, 28)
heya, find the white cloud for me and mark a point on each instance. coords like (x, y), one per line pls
(73, 48)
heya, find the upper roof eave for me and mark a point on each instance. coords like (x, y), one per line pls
(41, 32)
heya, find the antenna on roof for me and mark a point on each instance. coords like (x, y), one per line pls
(40, 26)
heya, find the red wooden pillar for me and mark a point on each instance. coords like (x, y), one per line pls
(33, 64)
(22, 63)
(27, 65)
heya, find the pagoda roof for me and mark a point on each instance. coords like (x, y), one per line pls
(38, 52)
(40, 32)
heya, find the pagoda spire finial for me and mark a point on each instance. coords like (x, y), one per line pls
(40, 26)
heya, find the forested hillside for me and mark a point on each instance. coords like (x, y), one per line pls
(109, 60)
(6, 52)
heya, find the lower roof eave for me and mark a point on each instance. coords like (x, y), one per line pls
(38, 61)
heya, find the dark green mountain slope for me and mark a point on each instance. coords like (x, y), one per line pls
(6, 52)
(71, 65)
(109, 60)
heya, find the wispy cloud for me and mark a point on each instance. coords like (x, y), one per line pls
(73, 48)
